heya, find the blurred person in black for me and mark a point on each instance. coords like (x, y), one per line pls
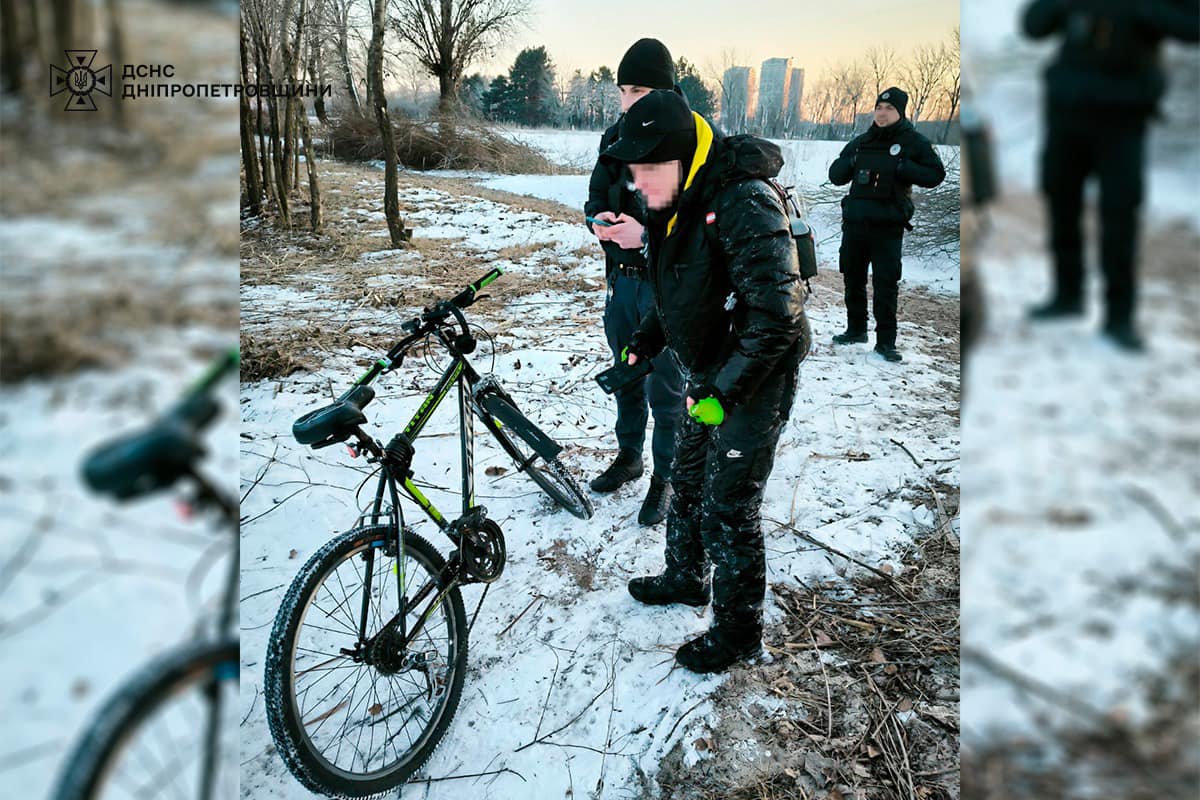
(881, 166)
(1101, 89)
(646, 66)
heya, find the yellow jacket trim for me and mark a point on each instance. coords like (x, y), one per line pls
(704, 140)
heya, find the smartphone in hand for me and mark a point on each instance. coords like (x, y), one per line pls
(623, 374)
(600, 222)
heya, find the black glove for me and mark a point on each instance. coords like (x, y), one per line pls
(639, 347)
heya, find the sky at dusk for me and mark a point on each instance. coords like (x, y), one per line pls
(815, 34)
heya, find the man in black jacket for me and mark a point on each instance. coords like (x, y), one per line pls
(881, 166)
(1102, 88)
(646, 66)
(729, 303)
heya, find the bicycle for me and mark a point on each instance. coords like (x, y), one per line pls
(124, 751)
(347, 623)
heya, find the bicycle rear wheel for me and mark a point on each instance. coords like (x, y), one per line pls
(354, 719)
(534, 451)
(171, 732)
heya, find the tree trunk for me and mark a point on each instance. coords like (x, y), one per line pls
(314, 186)
(116, 45)
(38, 49)
(249, 154)
(391, 190)
(344, 58)
(64, 21)
(279, 165)
(316, 78)
(11, 59)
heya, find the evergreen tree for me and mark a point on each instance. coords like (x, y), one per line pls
(702, 99)
(531, 80)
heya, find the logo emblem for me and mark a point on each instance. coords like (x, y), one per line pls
(886, 95)
(894, 149)
(734, 454)
(80, 80)
(644, 124)
(710, 218)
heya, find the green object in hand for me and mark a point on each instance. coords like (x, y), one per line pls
(708, 411)
(625, 354)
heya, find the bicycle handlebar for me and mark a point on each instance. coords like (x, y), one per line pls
(454, 306)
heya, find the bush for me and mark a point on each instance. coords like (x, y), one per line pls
(461, 144)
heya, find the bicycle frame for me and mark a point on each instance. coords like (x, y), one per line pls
(459, 372)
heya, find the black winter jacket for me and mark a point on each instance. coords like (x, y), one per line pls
(1108, 66)
(882, 165)
(728, 296)
(609, 190)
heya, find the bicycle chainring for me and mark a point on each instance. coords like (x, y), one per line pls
(481, 551)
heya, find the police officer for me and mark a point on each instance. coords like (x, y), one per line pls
(646, 66)
(723, 270)
(1101, 89)
(881, 166)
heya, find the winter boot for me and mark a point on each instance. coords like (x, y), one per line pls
(1058, 308)
(626, 467)
(851, 337)
(661, 590)
(888, 351)
(716, 651)
(1124, 335)
(654, 507)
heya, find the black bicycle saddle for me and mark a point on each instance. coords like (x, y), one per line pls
(334, 423)
(145, 461)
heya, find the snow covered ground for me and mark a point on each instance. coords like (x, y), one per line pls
(558, 629)
(125, 244)
(1080, 478)
(806, 167)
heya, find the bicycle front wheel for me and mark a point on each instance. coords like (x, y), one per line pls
(170, 732)
(534, 451)
(353, 709)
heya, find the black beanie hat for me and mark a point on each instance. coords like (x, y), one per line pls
(658, 127)
(896, 96)
(647, 63)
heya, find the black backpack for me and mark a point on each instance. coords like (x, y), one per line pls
(765, 158)
(802, 232)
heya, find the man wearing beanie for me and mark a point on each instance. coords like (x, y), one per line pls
(881, 166)
(729, 304)
(646, 66)
(1101, 90)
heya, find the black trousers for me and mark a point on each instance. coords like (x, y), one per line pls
(714, 519)
(878, 249)
(629, 301)
(1116, 156)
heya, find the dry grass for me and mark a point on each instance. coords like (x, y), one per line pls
(877, 718)
(47, 336)
(434, 145)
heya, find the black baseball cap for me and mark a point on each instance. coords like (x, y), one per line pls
(658, 127)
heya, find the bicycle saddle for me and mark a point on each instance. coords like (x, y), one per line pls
(334, 423)
(145, 461)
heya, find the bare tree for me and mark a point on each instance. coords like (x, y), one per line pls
(850, 84)
(447, 36)
(953, 90)
(391, 190)
(881, 64)
(341, 12)
(249, 157)
(923, 76)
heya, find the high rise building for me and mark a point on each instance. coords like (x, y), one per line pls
(773, 92)
(739, 101)
(793, 114)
